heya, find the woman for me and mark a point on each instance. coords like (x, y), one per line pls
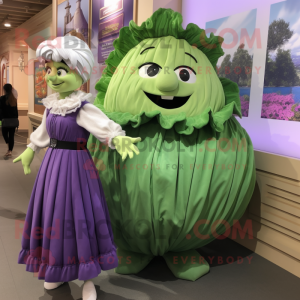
(67, 233)
(8, 110)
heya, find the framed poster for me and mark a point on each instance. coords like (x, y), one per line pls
(281, 94)
(108, 17)
(40, 86)
(237, 62)
(74, 15)
(274, 106)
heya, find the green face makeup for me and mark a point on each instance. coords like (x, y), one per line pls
(61, 78)
(167, 75)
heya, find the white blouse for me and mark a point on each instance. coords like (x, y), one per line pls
(89, 117)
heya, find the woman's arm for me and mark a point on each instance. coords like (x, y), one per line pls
(40, 138)
(97, 123)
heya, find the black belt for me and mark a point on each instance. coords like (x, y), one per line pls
(55, 144)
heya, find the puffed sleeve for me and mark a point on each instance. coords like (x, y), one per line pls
(98, 124)
(40, 138)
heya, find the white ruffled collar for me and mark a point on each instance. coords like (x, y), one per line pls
(68, 105)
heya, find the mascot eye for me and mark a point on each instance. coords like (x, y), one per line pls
(186, 74)
(61, 72)
(149, 70)
(49, 71)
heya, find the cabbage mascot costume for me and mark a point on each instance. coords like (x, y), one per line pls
(195, 173)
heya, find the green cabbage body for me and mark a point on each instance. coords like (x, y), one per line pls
(177, 194)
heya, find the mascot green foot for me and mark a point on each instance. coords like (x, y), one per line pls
(188, 265)
(131, 262)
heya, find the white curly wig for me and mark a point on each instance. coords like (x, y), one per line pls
(70, 49)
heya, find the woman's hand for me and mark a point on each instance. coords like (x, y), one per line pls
(26, 157)
(125, 146)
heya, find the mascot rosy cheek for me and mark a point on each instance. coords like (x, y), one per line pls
(195, 174)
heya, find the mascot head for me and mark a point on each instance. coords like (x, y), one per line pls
(160, 68)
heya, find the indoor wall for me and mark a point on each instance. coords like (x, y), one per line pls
(12, 43)
(18, 79)
(147, 7)
(274, 211)
(3, 71)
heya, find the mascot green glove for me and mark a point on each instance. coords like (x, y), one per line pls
(195, 173)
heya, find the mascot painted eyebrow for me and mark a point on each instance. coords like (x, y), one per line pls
(195, 173)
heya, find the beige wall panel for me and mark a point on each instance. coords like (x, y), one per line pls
(275, 227)
(275, 211)
(279, 165)
(15, 56)
(275, 239)
(176, 5)
(288, 185)
(272, 190)
(20, 83)
(284, 194)
(144, 10)
(282, 204)
(272, 254)
(147, 7)
(31, 56)
(276, 216)
(23, 120)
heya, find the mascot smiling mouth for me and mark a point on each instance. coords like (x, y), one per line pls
(168, 102)
(58, 84)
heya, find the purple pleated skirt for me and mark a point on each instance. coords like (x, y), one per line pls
(67, 232)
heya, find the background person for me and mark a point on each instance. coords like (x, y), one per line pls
(8, 112)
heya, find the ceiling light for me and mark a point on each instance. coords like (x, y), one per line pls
(7, 25)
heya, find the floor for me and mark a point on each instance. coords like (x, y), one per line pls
(257, 280)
